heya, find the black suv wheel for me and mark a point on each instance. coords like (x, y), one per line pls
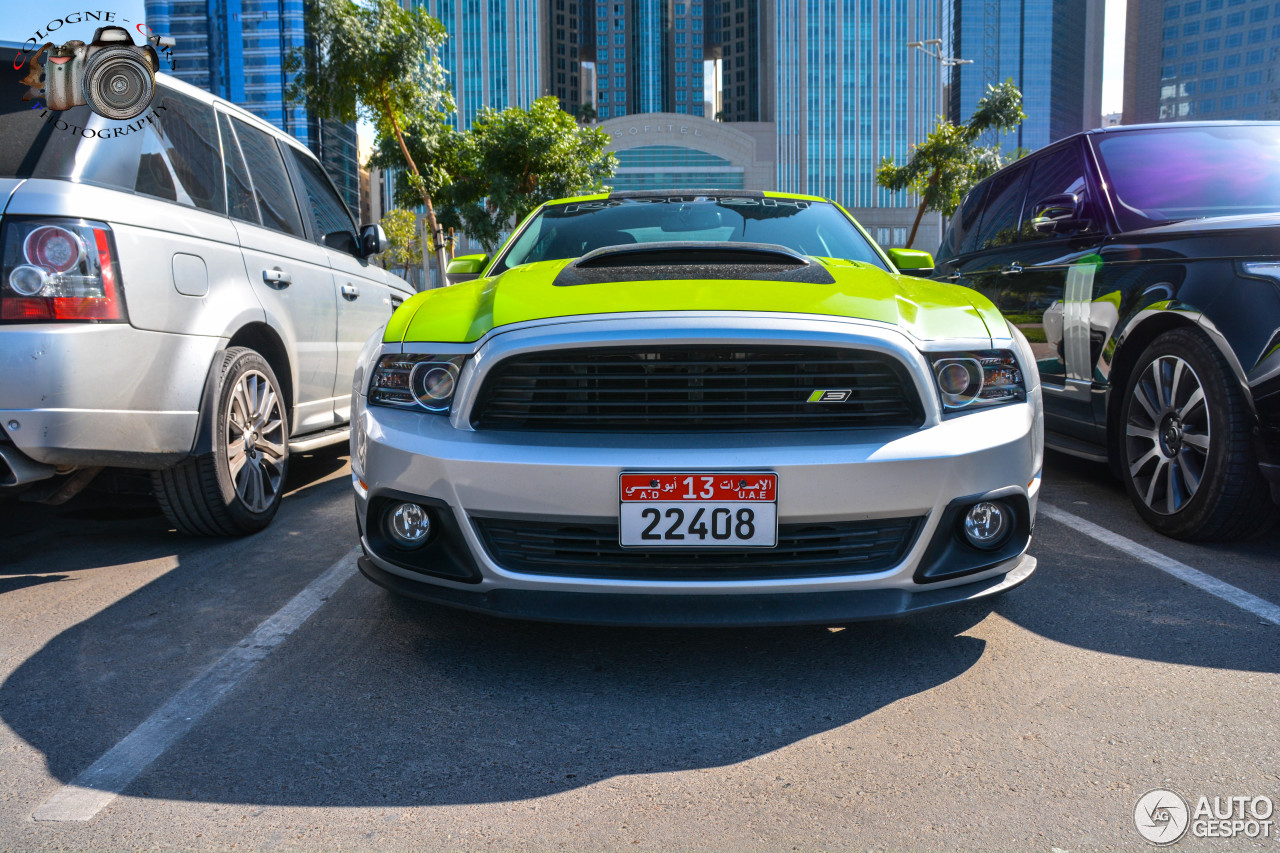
(1187, 455)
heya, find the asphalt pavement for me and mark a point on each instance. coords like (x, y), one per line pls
(358, 721)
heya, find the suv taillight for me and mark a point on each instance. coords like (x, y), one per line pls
(59, 270)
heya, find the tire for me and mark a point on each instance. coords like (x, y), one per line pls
(234, 489)
(1186, 449)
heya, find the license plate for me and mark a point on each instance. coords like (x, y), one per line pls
(698, 510)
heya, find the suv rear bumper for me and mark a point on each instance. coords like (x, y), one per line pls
(101, 394)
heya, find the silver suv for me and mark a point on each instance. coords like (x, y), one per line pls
(185, 295)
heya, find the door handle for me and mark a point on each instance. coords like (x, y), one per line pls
(277, 277)
(350, 291)
(1012, 269)
(955, 276)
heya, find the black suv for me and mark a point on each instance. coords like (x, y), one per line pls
(1143, 265)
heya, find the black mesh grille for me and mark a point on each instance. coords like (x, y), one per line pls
(591, 550)
(696, 389)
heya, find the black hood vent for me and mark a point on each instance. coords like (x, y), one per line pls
(692, 260)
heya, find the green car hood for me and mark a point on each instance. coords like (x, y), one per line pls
(928, 310)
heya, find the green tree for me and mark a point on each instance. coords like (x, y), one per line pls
(377, 61)
(950, 161)
(405, 250)
(515, 159)
(587, 113)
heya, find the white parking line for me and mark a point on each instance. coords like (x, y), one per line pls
(93, 789)
(1259, 607)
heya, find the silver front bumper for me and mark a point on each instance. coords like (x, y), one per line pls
(823, 476)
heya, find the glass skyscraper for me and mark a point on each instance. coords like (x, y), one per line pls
(648, 56)
(496, 53)
(236, 50)
(1203, 59)
(849, 92)
(1051, 49)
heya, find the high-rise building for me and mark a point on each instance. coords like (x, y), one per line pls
(496, 51)
(1051, 49)
(1203, 59)
(647, 55)
(735, 31)
(567, 21)
(236, 49)
(848, 93)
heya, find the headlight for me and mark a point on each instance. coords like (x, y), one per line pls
(975, 380)
(416, 382)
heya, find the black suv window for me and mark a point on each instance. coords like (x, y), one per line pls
(270, 180)
(1058, 173)
(240, 203)
(330, 220)
(1003, 209)
(961, 235)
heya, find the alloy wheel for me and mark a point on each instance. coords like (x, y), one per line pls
(1167, 434)
(255, 441)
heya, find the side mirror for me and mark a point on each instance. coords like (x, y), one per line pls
(465, 267)
(912, 262)
(373, 240)
(1057, 214)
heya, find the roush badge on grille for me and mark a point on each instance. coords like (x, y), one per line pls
(829, 396)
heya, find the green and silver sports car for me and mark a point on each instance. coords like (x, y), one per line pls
(696, 408)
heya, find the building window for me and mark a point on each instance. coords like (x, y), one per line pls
(620, 38)
(1170, 33)
(1171, 13)
(1259, 14)
(603, 112)
(1207, 106)
(1210, 45)
(1235, 19)
(620, 82)
(1212, 25)
(1191, 28)
(1208, 66)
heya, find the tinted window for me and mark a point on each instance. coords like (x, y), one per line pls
(240, 203)
(1190, 172)
(271, 185)
(1002, 209)
(175, 157)
(329, 216)
(572, 230)
(1057, 174)
(961, 234)
(180, 159)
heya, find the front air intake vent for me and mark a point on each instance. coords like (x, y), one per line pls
(698, 389)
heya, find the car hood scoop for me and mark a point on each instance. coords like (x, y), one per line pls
(686, 261)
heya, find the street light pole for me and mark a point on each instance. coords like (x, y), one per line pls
(932, 48)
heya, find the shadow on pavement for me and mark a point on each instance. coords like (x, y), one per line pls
(96, 530)
(379, 701)
(1088, 595)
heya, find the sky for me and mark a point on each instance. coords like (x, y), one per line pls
(21, 20)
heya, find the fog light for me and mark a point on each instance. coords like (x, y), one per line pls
(408, 525)
(987, 524)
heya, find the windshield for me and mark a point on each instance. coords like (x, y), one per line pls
(1192, 172)
(571, 230)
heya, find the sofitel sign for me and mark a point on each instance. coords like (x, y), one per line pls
(637, 129)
